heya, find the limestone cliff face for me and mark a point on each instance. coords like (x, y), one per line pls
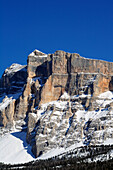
(56, 124)
(69, 72)
(50, 93)
(7, 112)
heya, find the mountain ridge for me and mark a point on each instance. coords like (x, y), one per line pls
(62, 99)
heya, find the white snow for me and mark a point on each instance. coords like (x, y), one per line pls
(33, 54)
(108, 95)
(5, 103)
(65, 96)
(59, 104)
(86, 115)
(14, 148)
(80, 96)
(41, 55)
(38, 51)
(105, 98)
(14, 68)
(84, 95)
(58, 151)
(108, 141)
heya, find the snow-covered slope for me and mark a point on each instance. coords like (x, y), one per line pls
(14, 148)
(13, 69)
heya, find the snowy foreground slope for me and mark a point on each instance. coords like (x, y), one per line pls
(14, 149)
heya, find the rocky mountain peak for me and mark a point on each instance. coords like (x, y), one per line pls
(13, 69)
(37, 53)
(64, 98)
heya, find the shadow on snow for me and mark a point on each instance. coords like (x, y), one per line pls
(22, 136)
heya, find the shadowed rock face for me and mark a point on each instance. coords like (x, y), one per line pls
(46, 79)
(111, 84)
(13, 79)
(39, 64)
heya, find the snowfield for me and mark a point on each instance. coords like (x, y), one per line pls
(14, 148)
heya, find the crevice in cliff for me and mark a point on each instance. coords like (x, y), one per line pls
(111, 84)
(67, 89)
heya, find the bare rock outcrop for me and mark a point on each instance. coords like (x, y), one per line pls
(7, 108)
(69, 73)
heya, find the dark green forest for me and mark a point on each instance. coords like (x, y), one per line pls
(70, 160)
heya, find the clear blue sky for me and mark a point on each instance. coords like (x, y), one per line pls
(81, 26)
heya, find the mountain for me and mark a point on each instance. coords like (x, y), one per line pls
(61, 100)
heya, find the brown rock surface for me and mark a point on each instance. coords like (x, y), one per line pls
(69, 71)
(22, 103)
(7, 112)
